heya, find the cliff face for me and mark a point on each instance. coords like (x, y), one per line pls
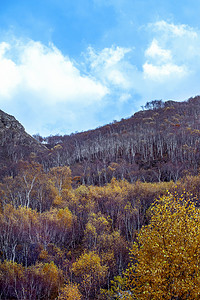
(15, 143)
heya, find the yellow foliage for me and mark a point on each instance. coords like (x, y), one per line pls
(69, 292)
(82, 190)
(61, 218)
(166, 259)
(57, 200)
(51, 272)
(11, 271)
(43, 255)
(90, 270)
(61, 178)
(65, 217)
(89, 263)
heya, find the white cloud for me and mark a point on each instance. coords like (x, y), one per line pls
(163, 72)
(3, 47)
(124, 98)
(9, 75)
(182, 40)
(160, 65)
(108, 57)
(175, 30)
(171, 64)
(110, 65)
(169, 55)
(45, 72)
(156, 52)
(45, 90)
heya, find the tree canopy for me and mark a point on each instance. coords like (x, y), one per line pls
(165, 260)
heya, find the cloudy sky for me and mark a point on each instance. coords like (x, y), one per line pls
(69, 66)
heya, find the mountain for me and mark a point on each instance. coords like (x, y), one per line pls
(15, 143)
(159, 143)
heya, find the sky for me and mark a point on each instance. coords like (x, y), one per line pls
(68, 66)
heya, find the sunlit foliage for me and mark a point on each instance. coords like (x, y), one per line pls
(165, 262)
(64, 242)
(70, 291)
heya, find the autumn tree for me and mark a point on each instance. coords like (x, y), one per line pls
(18, 234)
(30, 188)
(70, 291)
(55, 227)
(165, 262)
(40, 281)
(60, 177)
(90, 271)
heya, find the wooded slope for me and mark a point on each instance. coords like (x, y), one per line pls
(160, 143)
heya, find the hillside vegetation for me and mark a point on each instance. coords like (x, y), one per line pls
(160, 143)
(111, 213)
(55, 239)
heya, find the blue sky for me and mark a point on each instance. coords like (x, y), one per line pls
(69, 66)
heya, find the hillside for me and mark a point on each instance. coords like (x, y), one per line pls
(159, 143)
(15, 143)
(60, 239)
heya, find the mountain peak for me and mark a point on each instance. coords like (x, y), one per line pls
(7, 122)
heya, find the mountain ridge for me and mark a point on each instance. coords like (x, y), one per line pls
(159, 143)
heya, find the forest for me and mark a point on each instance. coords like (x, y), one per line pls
(64, 242)
(111, 213)
(159, 143)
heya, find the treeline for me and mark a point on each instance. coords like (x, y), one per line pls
(59, 242)
(160, 143)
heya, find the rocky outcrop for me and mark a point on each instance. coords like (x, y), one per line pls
(15, 143)
(9, 122)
